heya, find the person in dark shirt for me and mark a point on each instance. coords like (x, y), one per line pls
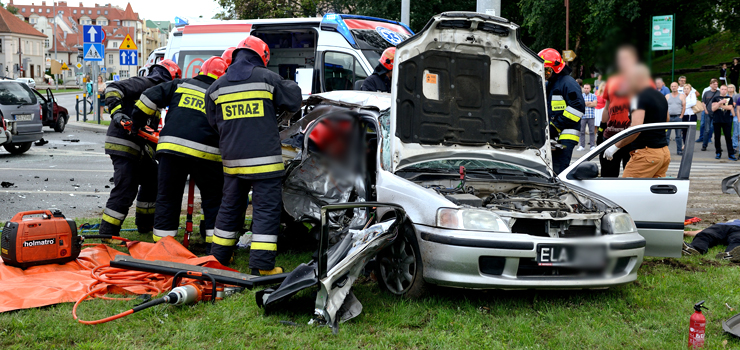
(380, 80)
(650, 156)
(734, 72)
(723, 111)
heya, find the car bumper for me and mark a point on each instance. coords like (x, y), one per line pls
(28, 137)
(480, 260)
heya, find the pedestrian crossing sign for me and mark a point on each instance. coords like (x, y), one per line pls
(128, 43)
(93, 52)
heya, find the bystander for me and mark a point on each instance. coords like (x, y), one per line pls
(600, 103)
(736, 120)
(597, 82)
(676, 109)
(723, 74)
(650, 156)
(723, 111)
(660, 86)
(587, 122)
(688, 115)
(706, 129)
(734, 72)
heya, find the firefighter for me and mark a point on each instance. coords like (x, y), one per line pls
(565, 107)
(133, 164)
(226, 56)
(188, 145)
(380, 80)
(243, 106)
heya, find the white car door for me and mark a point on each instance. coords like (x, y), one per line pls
(657, 205)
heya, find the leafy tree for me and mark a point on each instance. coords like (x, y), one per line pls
(12, 9)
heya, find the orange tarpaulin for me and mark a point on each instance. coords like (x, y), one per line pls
(52, 284)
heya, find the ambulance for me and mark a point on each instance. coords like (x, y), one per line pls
(336, 52)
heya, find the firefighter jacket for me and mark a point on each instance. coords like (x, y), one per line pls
(242, 105)
(378, 81)
(120, 96)
(566, 106)
(186, 131)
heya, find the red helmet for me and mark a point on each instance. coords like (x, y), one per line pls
(226, 56)
(387, 58)
(552, 59)
(172, 67)
(213, 67)
(257, 45)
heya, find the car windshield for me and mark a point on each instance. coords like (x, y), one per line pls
(12, 93)
(453, 165)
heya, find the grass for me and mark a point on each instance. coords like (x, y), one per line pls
(651, 313)
(715, 49)
(66, 90)
(102, 122)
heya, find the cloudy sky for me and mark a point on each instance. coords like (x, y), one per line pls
(164, 10)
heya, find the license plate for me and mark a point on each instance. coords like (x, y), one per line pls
(23, 117)
(571, 255)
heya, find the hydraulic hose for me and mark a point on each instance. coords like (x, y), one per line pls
(137, 308)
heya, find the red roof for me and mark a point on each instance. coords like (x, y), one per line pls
(114, 13)
(9, 23)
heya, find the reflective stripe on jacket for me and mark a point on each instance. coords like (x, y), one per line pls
(245, 114)
(122, 96)
(566, 105)
(186, 130)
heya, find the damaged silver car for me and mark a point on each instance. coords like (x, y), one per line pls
(462, 146)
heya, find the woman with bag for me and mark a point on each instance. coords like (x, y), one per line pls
(693, 107)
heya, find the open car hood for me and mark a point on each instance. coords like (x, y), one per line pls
(466, 87)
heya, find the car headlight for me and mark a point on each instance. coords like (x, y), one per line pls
(616, 223)
(470, 219)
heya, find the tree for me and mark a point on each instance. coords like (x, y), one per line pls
(254, 9)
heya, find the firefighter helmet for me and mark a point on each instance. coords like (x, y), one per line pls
(172, 67)
(553, 61)
(227, 55)
(257, 45)
(387, 58)
(214, 67)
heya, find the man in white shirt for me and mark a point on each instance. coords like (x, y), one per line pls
(703, 118)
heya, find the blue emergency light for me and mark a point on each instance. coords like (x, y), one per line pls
(335, 22)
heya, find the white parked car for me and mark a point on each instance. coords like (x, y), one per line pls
(462, 144)
(28, 81)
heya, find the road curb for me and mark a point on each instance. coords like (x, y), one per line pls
(87, 126)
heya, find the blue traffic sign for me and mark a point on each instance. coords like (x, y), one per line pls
(93, 52)
(128, 57)
(116, 77)
(92, 34)
(102, 69)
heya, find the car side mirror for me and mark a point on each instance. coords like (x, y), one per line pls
(585, 171)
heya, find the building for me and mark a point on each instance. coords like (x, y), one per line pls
(116, 22)
(21, 48)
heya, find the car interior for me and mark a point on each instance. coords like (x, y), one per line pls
(290, 50)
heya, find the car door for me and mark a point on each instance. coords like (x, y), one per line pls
(52, 104)
(657, 205)
(46, 109)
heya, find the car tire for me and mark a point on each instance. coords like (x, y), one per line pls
(17, 148)
(399, 268)
(61, 123)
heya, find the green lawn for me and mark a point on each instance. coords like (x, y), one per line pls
(102, 122)
(66, 90)
(712, 50)
(652, 313)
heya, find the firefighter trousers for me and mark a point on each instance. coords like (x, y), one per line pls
(173, 175)
(266, 209)
(561, 157)
(132, 179)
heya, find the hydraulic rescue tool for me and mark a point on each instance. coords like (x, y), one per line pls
(211, 284)
(40, 237)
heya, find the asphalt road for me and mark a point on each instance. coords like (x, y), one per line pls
(70, 173)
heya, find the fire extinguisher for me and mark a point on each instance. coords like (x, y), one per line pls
(697, 324)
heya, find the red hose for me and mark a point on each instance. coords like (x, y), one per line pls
(122, 278)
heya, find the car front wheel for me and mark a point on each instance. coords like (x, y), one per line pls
(399, 267)
(17, 148)
(61, 123)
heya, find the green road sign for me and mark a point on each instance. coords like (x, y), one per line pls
(662, 33)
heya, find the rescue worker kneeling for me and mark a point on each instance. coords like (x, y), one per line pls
(566, 107)
(242, 105)
(187, 145)
(134, 169)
